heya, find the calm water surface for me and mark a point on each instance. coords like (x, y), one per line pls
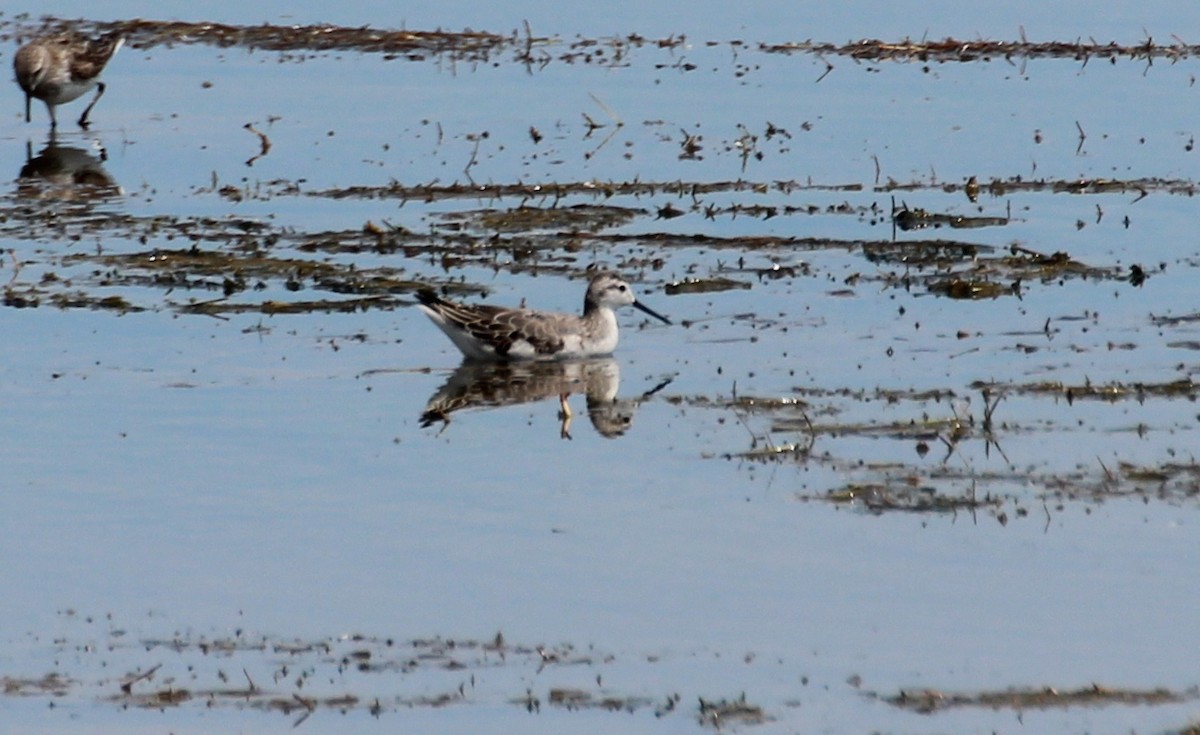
(172, 474)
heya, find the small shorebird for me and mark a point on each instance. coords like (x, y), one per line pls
(498, 334)
(63, 67)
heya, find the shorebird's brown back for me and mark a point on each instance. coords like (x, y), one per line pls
(92, 56)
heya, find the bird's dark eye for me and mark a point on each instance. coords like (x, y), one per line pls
(621, 287)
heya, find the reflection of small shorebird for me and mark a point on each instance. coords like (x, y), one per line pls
(63, 67)
(65, 173)
(478, 385)
(499, 334)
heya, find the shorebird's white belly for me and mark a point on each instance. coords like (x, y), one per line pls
(69, 91)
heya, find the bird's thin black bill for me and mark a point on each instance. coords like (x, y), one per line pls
(651, 312)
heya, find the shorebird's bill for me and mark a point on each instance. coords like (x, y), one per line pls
(651, 312)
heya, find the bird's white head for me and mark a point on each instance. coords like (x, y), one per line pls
(608, 291)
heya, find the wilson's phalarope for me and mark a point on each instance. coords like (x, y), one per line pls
(498, 334)
(60, 68)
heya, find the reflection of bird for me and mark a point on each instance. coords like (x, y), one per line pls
(65, 173)
(491, 385)
(60, 68)
(498, 334)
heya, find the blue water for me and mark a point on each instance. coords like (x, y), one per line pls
(168, 472)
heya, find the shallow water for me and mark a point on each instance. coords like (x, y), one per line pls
(806, 491)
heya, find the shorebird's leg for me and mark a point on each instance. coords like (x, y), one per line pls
(564, 414)
(83, 119)
(28, 99)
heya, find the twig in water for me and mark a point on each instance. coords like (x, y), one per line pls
(264, 144)
(607, 110)
(127, 686)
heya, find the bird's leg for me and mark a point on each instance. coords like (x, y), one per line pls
(564, 414)
(28, 99)
(83, 119)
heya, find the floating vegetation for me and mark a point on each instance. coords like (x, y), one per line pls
(929, 701)
(556, 191)
(704, 285)
(918, 219)
(578, 699)
(146, 34)
(1174, 321)
(925, 253)
(723, 713)
(894, 425)
(525, 219)
(1111, 392)
(275, 308)
(53, 684)
(905, 496)
(536, 51)
(301, 677)
(955, 450)
(978, 49)
(959, 288)
(553, 192)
